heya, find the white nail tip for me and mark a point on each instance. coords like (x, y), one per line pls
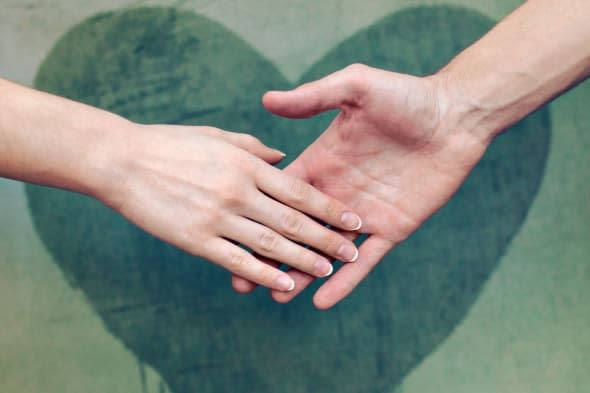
(356, 255)
(360, 224)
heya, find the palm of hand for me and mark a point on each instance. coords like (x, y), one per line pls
(390, 158)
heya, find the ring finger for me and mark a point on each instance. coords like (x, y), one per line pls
(273, 245)
(300, 228)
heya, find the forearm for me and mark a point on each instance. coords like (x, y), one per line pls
(53, 141)
(536, 53)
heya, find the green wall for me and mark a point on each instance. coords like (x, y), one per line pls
(526, 330)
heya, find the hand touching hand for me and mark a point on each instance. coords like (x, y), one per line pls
(388, 155)
(199, 189)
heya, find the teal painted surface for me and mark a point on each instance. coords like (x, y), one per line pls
(175, 312)
(507, 334)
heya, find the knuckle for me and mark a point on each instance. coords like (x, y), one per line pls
(358, 81)
(213, 221)
(192, 238)
(238, 261)
(230, 195)
(291, 223)
(268, 241)
(298, 191)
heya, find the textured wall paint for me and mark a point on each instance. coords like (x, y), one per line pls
(524, 334)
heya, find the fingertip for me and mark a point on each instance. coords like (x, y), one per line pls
(351, 275)
(347, 252)
(356, 255)
(243, 286)
(273, 156)
(301, 280)
(282, 297)
(284, 283)
(280, 154)
(351, 221)
(269, 99)
(266, 153)
(298, 103)
(322, 303)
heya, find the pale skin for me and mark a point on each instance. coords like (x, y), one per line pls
(199, 188)
(402, 145)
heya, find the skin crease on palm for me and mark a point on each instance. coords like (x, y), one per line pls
(375, 171)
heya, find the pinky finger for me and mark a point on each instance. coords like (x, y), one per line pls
(241, 285)
(240, 262)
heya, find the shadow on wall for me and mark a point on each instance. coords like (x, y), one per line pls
(179, 314)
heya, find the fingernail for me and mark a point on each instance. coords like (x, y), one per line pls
(348, 253)
(323, 268)
(285, 283)
(283, 154)
(351, 221)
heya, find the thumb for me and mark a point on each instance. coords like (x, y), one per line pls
(341, 89)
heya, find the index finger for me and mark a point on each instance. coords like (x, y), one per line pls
(299, 195)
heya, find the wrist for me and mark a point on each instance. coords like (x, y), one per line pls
(106, 169)
(464, 110)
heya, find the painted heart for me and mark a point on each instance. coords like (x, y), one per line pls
(176, 312)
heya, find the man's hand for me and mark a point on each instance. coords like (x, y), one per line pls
(390, 155)
(402, 145)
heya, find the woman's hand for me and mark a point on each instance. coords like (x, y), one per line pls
(199, 188)
(204, 190)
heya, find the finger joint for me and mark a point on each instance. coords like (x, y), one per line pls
(292, 223)
(299, 192)
(268, 241)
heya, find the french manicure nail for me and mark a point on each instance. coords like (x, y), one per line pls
(348, 253)
(323, 268)
(283, 154)
(351, 221)
(285, 283)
